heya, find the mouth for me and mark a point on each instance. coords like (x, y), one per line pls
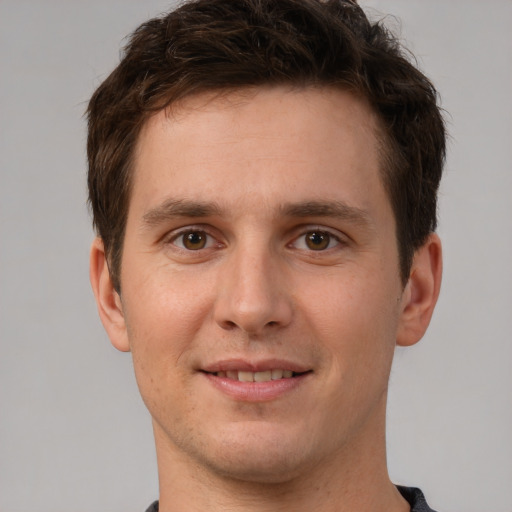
(262, 376)
(260, 381)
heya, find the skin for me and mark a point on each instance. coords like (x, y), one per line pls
(252, 175)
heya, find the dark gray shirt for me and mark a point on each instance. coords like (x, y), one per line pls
(412, 494)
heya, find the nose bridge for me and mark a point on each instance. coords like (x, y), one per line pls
(253, 291)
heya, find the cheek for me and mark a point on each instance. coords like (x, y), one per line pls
(165, 304)
(355, 317)
(163, 317)
(161, 334)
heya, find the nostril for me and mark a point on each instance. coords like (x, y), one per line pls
(229, 325)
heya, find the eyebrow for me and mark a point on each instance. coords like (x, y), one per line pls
(334, 209)
(172, 208)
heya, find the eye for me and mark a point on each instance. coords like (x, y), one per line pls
(316, 240)
(193, 240)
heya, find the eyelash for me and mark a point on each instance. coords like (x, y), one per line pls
(177, 240)
(331, 237)
(209, 242)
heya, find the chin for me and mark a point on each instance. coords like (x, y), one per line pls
(264, 469)
(257, 455)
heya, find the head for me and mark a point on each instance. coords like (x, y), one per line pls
(219, 46)
(263, 180)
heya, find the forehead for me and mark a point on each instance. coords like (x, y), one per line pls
(258, 145)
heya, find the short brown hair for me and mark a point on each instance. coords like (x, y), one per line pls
(208, 45)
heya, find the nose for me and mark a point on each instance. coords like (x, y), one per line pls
(253, 293)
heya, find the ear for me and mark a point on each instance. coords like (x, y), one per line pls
(421, 292)
(108, 300)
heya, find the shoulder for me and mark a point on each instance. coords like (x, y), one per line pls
(153, 507)
(415, 498)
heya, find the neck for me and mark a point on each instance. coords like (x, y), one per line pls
(354, 478)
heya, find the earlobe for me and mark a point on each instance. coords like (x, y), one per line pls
(421, 292)
(107, 299)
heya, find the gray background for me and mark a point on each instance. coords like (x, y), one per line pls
(74, 434)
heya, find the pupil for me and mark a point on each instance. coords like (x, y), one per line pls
(194, 240)
(318, 240)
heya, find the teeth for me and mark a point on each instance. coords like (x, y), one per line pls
(265, 376)
(246, 376)
(277, 374)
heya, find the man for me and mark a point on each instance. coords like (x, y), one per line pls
(263, 178)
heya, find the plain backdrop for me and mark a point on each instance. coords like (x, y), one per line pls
(74, 434)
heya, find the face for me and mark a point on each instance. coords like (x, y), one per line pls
(260, 287)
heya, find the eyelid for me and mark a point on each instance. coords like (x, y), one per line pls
(171, 237)
(334, 234)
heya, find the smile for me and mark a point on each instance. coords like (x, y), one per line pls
(265, 376)
(245, 382)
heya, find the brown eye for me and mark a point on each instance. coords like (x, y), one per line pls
(194, 240)
(317, 240)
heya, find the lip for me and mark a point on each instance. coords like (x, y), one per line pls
(254, 366)
(255, 391)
